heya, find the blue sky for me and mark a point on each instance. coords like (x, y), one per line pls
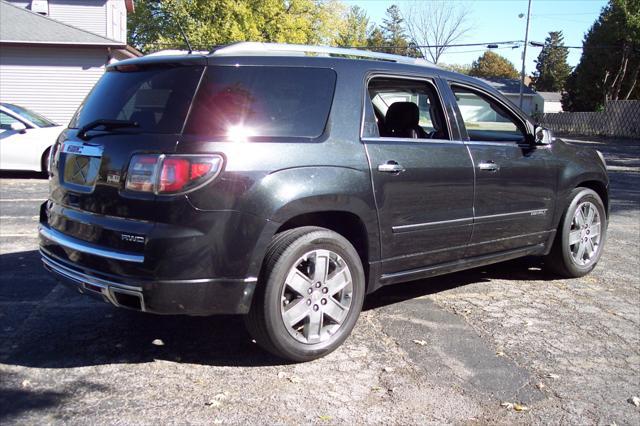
(497, 20)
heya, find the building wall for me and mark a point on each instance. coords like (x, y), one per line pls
(528, 103)
(84, 14)
(107, 18)
(52, 81)
(551, 107)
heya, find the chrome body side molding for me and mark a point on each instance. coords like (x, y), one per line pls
(88, 248)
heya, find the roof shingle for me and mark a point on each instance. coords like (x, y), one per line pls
(18, 25)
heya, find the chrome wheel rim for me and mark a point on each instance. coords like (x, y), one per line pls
(585, 234)
(316, 296)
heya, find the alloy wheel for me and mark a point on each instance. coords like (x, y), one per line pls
(316, 296)
(585, 234)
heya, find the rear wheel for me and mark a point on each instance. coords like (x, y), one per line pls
(44, 161)
(581, 235)
(310, 294)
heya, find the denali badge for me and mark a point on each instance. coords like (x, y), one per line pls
(113, 177)
(132, 238)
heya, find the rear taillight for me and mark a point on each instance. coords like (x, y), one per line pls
(170, 174)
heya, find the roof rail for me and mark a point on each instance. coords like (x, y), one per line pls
(279, 49)
(175, 52)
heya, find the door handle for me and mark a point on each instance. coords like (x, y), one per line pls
(489, 166)
(391, 167)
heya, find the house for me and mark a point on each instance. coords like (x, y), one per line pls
(551, 102)
(510, 88)
(52, 52)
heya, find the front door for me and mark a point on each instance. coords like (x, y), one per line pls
(422, 176)
(515, 180)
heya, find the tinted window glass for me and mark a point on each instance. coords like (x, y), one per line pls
(6, 121)
(157, 98)
(485, 119)
(36, 119)
(254, 102)
(407, 109)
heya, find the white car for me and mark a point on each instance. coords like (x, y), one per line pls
(25, 138)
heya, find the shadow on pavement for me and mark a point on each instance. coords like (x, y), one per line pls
(51, 326)
(18, 396)
(18, 174)
(525, 269)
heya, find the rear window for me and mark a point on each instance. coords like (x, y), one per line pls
(156, 97)
(254, 103)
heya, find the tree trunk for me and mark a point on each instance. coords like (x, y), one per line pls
(634, 80)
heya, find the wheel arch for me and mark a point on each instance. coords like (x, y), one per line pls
(345, 223)
(600, 188)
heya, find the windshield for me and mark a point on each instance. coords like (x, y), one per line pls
(156, 97)
(255, 103)
(36, 119)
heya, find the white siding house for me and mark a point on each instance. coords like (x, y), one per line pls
(510, 88)
(48, 64)
(551, 102)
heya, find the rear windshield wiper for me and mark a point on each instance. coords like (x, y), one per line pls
(107, 124)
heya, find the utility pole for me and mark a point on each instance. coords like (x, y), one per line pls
(524, 53)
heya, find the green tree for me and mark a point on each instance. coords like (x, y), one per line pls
(610, 61)
(354, 30)
(376, 40)
(491, 64)
(154, 24)
(462, 69)
(552, 69)
(394, 33)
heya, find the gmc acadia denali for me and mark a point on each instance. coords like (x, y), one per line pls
(285, 182)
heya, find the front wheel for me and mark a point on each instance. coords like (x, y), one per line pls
(310, 294)
(581, 235)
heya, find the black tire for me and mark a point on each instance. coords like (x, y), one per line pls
(45, 161)
(560, 259)
(265, 319)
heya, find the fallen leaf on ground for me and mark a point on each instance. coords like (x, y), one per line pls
(515, 406)
(325, 418)
(376, 388)
(420, 342)
(634, 400)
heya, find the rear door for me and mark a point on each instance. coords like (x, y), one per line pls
(515, 182)
(422, 175)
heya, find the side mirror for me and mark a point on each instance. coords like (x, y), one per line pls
(18, 126)
(543, 136)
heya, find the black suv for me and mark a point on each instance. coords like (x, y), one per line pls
(286, 182)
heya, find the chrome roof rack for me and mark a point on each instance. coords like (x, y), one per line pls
(278, 49)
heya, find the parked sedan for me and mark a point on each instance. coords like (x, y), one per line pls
(25, 138)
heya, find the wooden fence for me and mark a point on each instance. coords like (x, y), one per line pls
(619, 119)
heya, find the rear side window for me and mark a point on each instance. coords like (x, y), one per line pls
(255, 103)
(156, 97)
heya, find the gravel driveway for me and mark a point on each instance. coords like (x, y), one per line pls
(471, 347)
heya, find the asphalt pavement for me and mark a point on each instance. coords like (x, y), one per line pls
(501, 344)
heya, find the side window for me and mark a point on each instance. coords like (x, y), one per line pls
(485, 119)
(404, 108)
(6, 121)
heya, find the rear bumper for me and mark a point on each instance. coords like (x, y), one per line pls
(188, 297)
